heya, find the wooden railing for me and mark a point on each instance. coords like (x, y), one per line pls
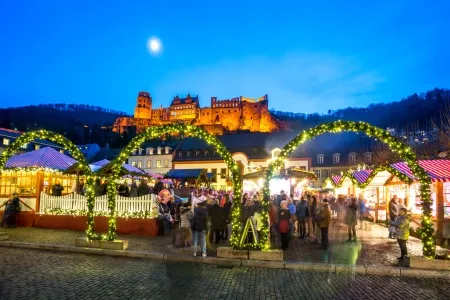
(78, 202)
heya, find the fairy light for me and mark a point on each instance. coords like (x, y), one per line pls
(397, 146)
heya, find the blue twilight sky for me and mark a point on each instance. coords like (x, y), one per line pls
(309, 56)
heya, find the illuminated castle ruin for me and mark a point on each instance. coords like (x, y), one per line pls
(229, 115)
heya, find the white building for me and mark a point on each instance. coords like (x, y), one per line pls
(154, 157)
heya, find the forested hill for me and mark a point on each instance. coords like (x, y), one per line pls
(78, 122)
(416, 110)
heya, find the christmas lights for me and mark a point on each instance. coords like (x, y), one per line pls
(28, 137)
(158, 132)
(405, 152)
(143, 214)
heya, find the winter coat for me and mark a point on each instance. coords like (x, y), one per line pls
(199, 219)
(133, 190)
(393, 210)
(292, 208)
(401, 225)
(246, 212)
(217, 217)
(98, 189)
(185, 218)
(57, 190)
(227, 211)
(159, 186)
(143, 189)
(324, 216)
(351, 216)
(302, 210)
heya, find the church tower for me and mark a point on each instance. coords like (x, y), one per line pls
(143, 109)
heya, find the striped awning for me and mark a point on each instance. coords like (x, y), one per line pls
(98, 165)
(437, 169)
(336, 179)
(46, 157)
(362, 175)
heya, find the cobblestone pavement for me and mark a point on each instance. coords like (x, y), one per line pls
(373, 248)
(32, 274)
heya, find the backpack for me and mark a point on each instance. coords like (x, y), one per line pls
(283, 226)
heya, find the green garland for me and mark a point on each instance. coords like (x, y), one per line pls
(73, 150)
(158, 132)
(375, 171)
(143, 214)
(398, 147)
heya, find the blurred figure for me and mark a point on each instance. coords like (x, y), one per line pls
(393, 213)
(57, 189)
(284, 223)
(302, 212)
(12, 208)
(351, 219)
(401, 225)
(324, 222)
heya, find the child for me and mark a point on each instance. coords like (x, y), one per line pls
(401, 225)
(185, 225)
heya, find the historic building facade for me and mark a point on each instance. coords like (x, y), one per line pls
(221, 116)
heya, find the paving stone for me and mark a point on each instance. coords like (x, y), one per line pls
(228, 252)
(182, 258)
(222, 261)
(34, 274)
(423, 273)
(263, 264)
(433, 264)
(55, 248)
(5, 244)
(350, 270)
(316, 267)
(146, 255)
(83, 250)
(384, 271)
(25, 245)
(271, 255)
(114, 252)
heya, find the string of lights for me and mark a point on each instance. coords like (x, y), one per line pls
(404, 151)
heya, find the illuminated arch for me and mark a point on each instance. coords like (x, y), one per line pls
(76, 154)
(405, 152)
(159, 131)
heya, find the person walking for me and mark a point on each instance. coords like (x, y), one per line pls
(199, 227)
(324, 222)
(302, 217)
(401, 225)
(393, 213)
(351, 219)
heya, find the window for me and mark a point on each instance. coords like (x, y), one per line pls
(149, 164)
(5, 141)
(336, 158)
(149, 151)
(197, 153)
(167, 150)
(320, 158)
(368, 157)
(180, 154)
(166, 163)
(214, 173)
(22, 183)
(327, 173)
(139, 164)
(318, 173)
(133, 163)
(159, 150)
(24, 146)
(158, 164)
(206, 152)
(188, 154)
(141, 151)
(37, 147)
(352, 157)
(223, 173)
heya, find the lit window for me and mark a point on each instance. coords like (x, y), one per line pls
(159, 150)
(318, 173)
(37, 147)
(5, 141)
(149, 164)
(223, 173)
(158, 164)
(180, 154)
(320, 159)
(336, 158)
(133, 163)
(24, 146)
(166, 163)
(61, 151)
(139, 164)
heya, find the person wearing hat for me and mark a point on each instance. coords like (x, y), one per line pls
(401, 225)
(12, 207)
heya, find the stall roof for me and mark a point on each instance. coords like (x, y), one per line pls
(43, 158)
(437, 169)
(184, 173)
(336, 179)
(362, 175)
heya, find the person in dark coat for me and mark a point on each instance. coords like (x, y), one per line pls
(143, 188)
(98, 188)
(393, 213)
(124, 191)
(57, 189)
(284, 218)
(217, 220)
(199, 227)
(104, 187)
(351, 219)
(12, 207)
(227, 215)
(133, 189)
(159, 186)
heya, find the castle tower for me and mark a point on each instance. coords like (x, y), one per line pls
(143, 109)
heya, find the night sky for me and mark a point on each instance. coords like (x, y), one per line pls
(309, 56)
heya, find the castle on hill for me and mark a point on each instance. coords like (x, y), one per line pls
(222, 116)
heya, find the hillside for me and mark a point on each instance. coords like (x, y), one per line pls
(80, 123)
(415, 110)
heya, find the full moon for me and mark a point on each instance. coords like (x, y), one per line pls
(154, 45)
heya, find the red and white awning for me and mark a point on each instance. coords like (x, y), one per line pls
(437, 169)
(336, 179)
